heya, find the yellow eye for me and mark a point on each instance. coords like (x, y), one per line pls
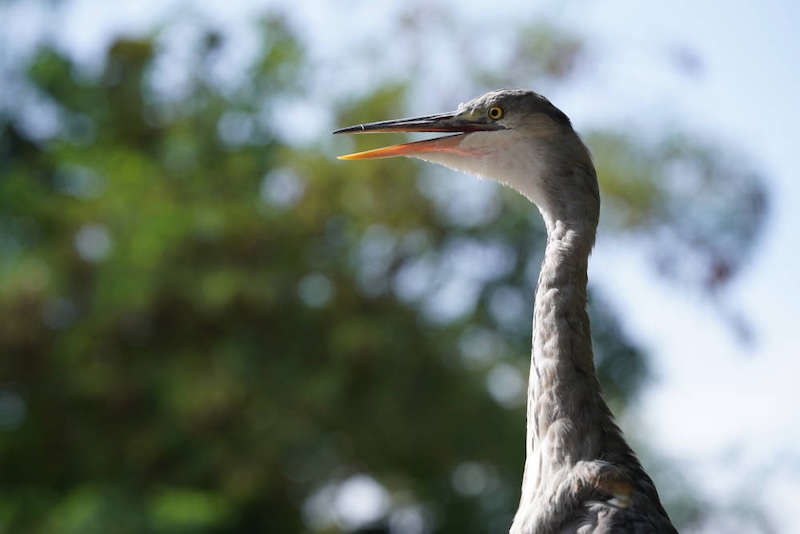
(495, 112)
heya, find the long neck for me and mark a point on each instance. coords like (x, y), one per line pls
(564, 394)
(568, 422)
(573, 447)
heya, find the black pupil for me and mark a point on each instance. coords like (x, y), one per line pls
(494, 112)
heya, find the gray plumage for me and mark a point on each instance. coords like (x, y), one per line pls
(580, 474)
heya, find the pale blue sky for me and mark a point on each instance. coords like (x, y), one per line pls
(728, 413)
(731, 410)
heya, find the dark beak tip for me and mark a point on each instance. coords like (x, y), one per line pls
(358, 128)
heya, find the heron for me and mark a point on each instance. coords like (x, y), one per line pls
(580, 475)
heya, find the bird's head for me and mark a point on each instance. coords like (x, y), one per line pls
(516, 137)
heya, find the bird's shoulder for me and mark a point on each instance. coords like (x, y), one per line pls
(611, 516)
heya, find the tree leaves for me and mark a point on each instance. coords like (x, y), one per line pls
(203, 326)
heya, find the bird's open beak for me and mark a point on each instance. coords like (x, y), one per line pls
(445, 122)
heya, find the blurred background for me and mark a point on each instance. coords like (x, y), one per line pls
(209, 324)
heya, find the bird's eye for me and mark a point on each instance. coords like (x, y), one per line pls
(495, 112)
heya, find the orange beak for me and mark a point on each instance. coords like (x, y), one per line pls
(445, 122)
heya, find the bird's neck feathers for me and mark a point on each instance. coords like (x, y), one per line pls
(563, 387)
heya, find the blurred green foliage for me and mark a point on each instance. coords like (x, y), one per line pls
(205, 329)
